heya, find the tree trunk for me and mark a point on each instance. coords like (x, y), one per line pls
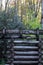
(42, 15)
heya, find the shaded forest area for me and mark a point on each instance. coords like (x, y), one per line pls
(20, 14)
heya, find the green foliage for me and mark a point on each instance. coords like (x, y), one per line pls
(7, 19)
(32, 19)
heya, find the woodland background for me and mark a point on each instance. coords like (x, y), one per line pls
(20, 14)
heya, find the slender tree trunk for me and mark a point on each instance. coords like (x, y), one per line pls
(42, 15)
(5, 15)
(15, 12)
(1, 5)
